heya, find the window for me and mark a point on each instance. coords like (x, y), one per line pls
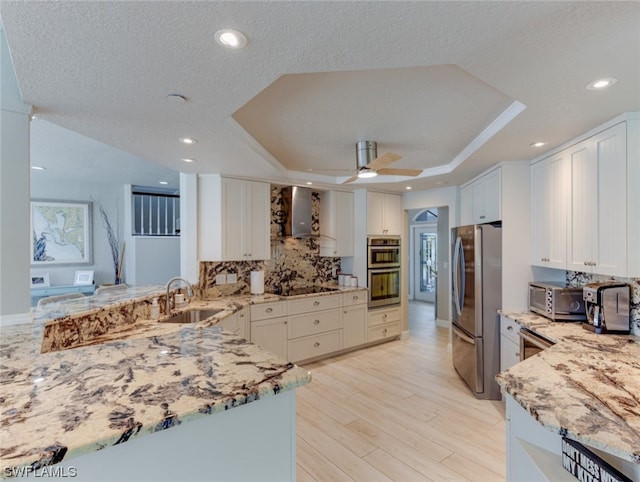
(155, 213)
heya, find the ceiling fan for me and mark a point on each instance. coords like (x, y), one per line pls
(369, 164)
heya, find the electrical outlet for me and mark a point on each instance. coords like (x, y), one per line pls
(334, 272)
(221, 279)
(232, 278)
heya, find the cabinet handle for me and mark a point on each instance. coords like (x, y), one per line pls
(384, 317)
(384, 332)
(316, 344)
(518, 354)
(269, 310)
(316, 303)
(355, 298)
(286, 322)
(509, 327)
(316, 322)
(482, 217)
(345, 312)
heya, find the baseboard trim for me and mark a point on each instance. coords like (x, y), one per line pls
(443, 323)
(404, 335)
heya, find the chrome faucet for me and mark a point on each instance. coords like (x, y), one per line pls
(169, 300)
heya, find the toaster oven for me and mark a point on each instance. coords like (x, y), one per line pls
(556, 301)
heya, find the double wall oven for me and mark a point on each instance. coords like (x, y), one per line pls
(383, 270)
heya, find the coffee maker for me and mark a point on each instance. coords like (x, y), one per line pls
(607, 307)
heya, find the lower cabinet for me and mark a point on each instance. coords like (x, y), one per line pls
(313, 346)
(271, 335)
(238, 323)
(509, 343)
(354, 319)
(383, 323)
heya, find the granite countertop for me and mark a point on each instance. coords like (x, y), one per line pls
(585, 387)
(133, 380)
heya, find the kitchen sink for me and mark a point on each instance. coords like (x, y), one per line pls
(191, 316)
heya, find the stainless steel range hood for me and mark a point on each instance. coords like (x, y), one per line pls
(297, 212)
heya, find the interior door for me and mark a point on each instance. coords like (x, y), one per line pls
(426, 264)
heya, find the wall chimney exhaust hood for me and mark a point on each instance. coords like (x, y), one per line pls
(297, 211)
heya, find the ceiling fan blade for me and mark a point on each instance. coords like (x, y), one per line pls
(400, 172)
(383, 160)
(351, 179)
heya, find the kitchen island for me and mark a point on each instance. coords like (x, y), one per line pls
(144, 400)
(586, 388)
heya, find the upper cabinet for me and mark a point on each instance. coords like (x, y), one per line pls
(549, 200)
(234, 218)
(480, 200)
(586, 204)
(336, 223)
(384, 214)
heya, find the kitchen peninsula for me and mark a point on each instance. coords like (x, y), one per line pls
(586, 388)
(103, 408)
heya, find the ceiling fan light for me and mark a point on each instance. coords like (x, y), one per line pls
(365, 173)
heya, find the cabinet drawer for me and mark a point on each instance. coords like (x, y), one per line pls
(510, 328)
(316, 303)
(354, 298)
(310, 323)
(315, 345)
(266, 311)
(388, 330)
(379, 317)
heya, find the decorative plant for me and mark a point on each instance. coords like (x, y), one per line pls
(114, 242)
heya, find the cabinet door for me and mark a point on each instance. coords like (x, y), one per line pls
(336, 223)
(271, 335)
(611, 159)
(233, 219)
(509, 353)
(375, 209)
(492, 187)
(466, 206)
(257, 237)
(583, 210)
(237, 323)
(354, 325)
(392, 215)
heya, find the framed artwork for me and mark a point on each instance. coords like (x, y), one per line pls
(40, 280)
(83, 278)
(61, 232)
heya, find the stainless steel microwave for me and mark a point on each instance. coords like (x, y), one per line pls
(556, 301)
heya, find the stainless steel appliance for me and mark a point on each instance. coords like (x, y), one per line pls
(556, 301)
(383, 271)
(531, 343)
(477, 296)
(608, 308)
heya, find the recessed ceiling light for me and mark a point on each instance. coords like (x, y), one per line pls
(408, 188)
(365, 173)
(441, 183)
(309, 183)
(38, 168)
(187, 159)
(188, 140)
(601, 83)
(164, 183)
(230, 38)
(538, 144)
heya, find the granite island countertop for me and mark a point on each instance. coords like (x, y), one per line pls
(132, 380)
(585, 387)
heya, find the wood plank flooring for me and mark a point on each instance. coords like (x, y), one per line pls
(399, 412)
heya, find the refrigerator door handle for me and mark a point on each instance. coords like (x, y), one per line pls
(458, 263)
(463, 336)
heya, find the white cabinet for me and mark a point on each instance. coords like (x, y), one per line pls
(480, 200)
(234, 218)
(315, 326)
(384, 214)
(336, 223)
(549, 200)
(598, 209)
(354, 318)
(383, 323)
(237, 323)
(269, 327)
(509, 343)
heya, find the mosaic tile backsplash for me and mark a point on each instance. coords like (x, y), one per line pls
(575, 278)
(294, 263)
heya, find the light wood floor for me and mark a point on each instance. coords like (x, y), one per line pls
(397, 411)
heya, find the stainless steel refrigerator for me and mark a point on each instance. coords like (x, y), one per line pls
(476, 297)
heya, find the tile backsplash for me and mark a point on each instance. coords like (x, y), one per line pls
(576, 278)
(294, 262)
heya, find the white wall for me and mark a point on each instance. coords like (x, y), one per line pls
(156, 260)
(111, 197)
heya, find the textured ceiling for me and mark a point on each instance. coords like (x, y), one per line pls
(423, 79)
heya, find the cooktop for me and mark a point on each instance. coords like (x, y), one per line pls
(305, 290)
